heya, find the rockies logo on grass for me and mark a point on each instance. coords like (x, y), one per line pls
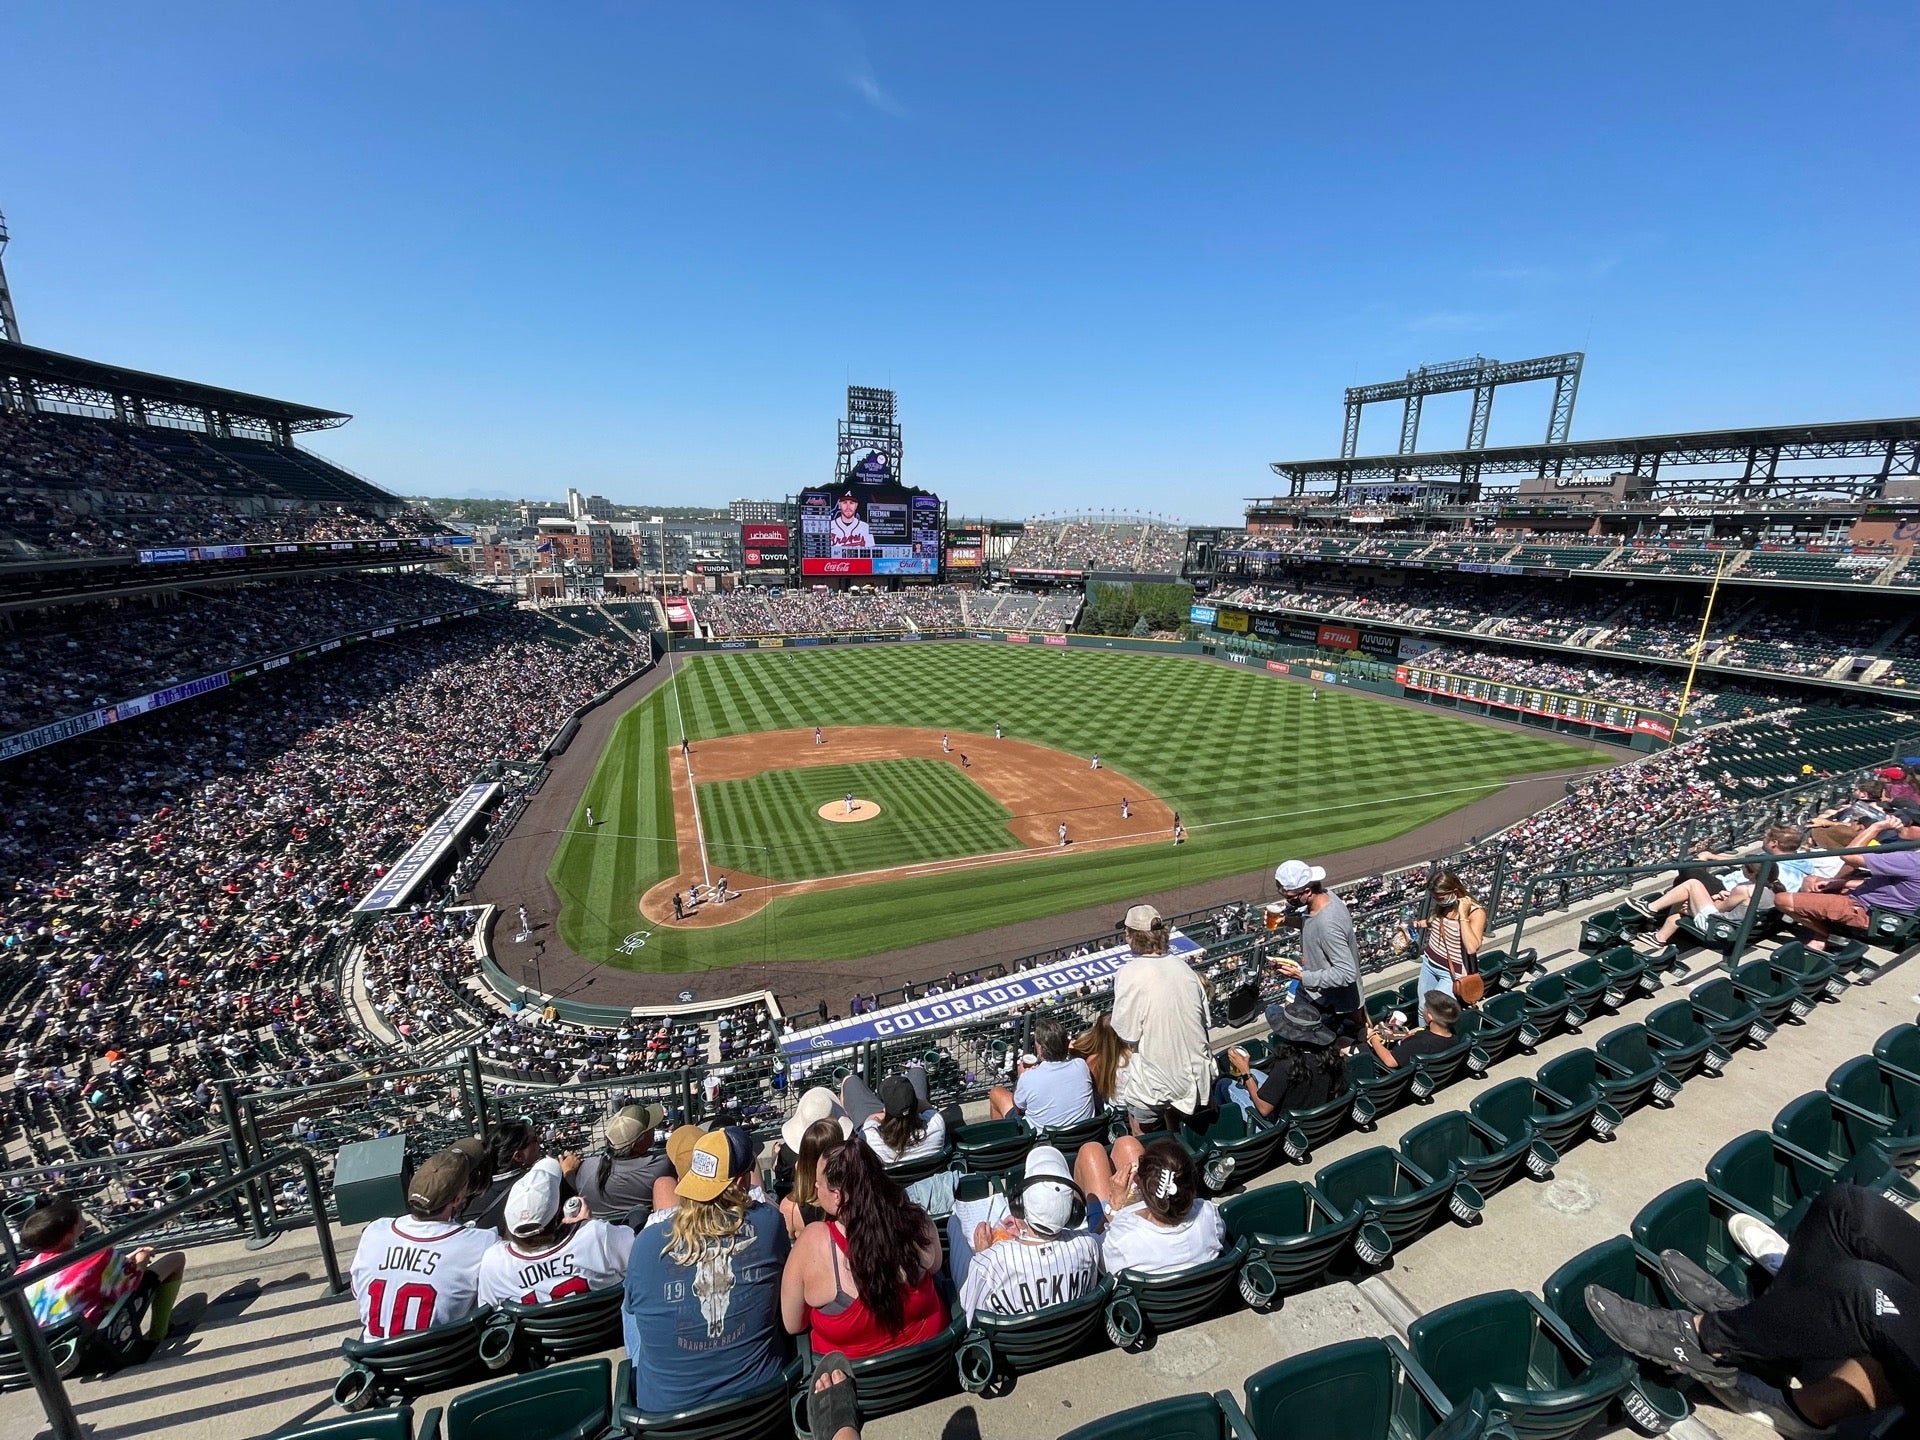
(634, 943)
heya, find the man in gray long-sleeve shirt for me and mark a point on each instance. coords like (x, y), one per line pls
(1329, 965)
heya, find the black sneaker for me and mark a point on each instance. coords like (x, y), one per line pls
(1665, 1337)
(1698, 1290)
(1640, 908)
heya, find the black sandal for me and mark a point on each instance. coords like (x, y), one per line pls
(835, 1408)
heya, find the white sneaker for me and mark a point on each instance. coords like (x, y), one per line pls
(1753, 1396)
(1760, 1240)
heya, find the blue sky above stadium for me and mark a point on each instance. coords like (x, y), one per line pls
(1110, 255)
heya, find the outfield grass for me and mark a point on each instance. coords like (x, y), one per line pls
(928, 811)
(1258, 768)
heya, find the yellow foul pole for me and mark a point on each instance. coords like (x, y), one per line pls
(1699, 645)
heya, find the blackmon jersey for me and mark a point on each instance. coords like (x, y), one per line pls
(591, 1256)
(410, 1275)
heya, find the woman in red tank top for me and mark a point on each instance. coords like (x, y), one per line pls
(863, 1279)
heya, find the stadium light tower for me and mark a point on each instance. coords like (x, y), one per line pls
(9, 324)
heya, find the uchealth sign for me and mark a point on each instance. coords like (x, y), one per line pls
(778, 537)
(969, 1002)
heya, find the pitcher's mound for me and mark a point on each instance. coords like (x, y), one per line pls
(836, 811)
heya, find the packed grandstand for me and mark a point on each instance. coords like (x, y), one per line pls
(207, 775)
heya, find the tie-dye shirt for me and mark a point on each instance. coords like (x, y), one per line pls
(86, 1289)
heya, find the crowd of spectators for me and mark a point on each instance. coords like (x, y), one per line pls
(71, 658)
(76, 486)
(748, 612)
(1130, 547)
(1528, 669)
(174, 891)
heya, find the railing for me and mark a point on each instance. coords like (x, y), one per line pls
(111, 1189)
(63, 1424)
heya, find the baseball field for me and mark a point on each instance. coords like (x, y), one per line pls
(907, 821)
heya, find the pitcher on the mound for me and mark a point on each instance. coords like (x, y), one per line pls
(849, 802)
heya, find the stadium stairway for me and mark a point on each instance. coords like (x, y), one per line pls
(263, 1348)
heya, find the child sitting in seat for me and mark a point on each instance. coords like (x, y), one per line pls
(87, 1289)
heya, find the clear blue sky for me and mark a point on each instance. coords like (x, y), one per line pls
(1110, 254)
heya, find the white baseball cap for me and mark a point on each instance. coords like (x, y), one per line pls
(1048, 1192)
(1141, 917)
(1297, 875)
(534, 1199)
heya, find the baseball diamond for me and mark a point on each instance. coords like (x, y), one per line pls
(1253, 766)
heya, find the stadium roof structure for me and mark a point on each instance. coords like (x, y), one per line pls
(1895, 443)
(31, 379)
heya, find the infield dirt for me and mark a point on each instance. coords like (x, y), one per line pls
(1041, 786)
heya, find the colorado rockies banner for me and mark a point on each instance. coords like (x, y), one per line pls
(969, 1002)
(392, 889)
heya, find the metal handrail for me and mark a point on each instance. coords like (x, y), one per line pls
(32, 1344)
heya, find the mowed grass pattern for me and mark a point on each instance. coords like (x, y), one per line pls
(1259, 769)
(928, 811)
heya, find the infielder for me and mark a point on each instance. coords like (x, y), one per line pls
(1063, 832)
(1126, 810)
(996, 732)
(818, 738)
(946, 745)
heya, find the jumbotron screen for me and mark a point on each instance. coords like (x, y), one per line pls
(869, 530)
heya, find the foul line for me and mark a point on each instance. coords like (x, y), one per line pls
(686, 756)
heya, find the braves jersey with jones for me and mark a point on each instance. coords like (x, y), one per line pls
(410, 1275)
(591, 1256)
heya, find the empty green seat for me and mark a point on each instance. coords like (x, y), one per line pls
(1566, 1106)
(1692, 1219)
(1350, 1390)
(894, 1380)
(1617, 1264)
(1494, 1024)
(1293, 1234)
(1633, 974)
(1814, 971)
(1759, 1172)
(1631, 1072)
(1891, 929)
(1523, 1357)
(992, 1144)
(1502, 970)
(1733, 1016)
(1517, 1108)
(1882, 1096)
(1899, 1049)
(381, 1370)
(749, 1415)
(1605, 929)
(1147, 1305)
(1386, 1187)
(1404, 997)
(556, 1330)
(1550, 1009)
(1461, 1145)
(1592, 988)
(1844, 1140)
(1685, 1046)
(996, 1346)
(1777, 995)
(564, 1402)
(1178, 1417)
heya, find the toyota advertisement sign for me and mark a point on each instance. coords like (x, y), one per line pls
(765, 546)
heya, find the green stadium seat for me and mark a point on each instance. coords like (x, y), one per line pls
(536, 1335)
(1293, 1235)
(1230, 1135)
(1502, 970)
(381, 1370)
(1550, 1009)
(1605, 929)
(1849, 1143)
(1386, 1187)
(394, 1424)
(1685, 1046)
(1814, 971)
(1519, 1106)
(1776, 995)
(1899, 1049)
(1377, 1089)
(1405, 997)
(998, 1346)
(1311, 1127)
(1523, 1357)
(1351, 1390)
(1434, 1072)
(1144, 1306)
(1634, 974)
(1881, 1096)
(1631, 1072)
(1578, 1079)
(1460, 1145)
(992, 1144)
(893, 1381)
(1760, 1172)
(1650, 1402)
(750, 1415)
(1891, 929)
(1068, 1139)
(907, 1172)
(1732, 1016)
(566, 1402)
(78, 1347)
(1178, 1417)
(1592, 988)
(1691, 1218)
(1494, 1024)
